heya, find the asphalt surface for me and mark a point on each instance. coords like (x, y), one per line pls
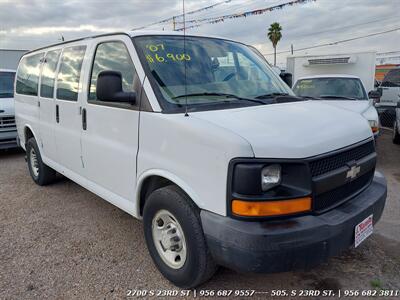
(64, 242)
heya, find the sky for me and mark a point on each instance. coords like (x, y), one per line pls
(35, 23)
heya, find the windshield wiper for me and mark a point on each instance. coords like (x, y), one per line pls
(271, 95)
(308, 97)
(336, 97)
(221, 95)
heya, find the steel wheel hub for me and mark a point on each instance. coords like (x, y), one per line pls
(34, 162)
(169, 239)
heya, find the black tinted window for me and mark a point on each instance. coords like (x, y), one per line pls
(7, 84)
(392, 78)
(70, 73)
(28, 75)
(115, 57)
(49, 73)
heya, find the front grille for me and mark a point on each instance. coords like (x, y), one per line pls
(7, 122)
(335, 161)
(339, 195)
(323, 165)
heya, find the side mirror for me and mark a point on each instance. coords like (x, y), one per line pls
(287, 78)
(109, 88)
(374, 94)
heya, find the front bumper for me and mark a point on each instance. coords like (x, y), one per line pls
(8, 139)
(296, 243)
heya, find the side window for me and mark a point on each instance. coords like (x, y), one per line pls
(70, 73)
(112, 56)
(28, 75)
(49, 73)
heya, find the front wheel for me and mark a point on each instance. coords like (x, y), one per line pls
(175, 238)
(40, 172)
(396, 135)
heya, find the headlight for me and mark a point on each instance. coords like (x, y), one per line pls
(374, 125)
(270, 177)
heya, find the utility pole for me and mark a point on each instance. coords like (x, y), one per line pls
(291, 48)
(173, 22)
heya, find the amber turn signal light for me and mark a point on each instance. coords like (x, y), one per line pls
(270, 208)
(375, 129)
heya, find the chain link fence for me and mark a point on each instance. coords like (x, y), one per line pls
(387, 117)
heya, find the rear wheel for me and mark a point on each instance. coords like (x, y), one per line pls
(175, 238)
(40, 173)
(396, 135)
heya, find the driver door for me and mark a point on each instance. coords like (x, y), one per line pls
(110, 137)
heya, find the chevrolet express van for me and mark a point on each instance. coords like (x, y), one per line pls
(345, 91)
(198, 137)
(8, 129)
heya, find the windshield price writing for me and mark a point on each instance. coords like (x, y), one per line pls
(156, 56)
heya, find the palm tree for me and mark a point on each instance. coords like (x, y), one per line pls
(275, 35)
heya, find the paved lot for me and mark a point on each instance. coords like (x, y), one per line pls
(62, 241)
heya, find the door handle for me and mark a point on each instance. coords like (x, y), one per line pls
(84, 122)
(57, 114)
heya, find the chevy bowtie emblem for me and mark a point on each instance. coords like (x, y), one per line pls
(353, 172)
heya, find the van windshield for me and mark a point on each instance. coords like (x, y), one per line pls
(332, 88)
(392, 78)
(7, 84)
(208, 73)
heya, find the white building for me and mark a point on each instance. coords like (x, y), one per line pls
(9, 58)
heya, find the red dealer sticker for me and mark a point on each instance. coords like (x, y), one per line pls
(363, 230)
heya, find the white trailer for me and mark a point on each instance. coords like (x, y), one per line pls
(360, 64)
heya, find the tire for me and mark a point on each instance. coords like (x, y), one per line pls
(197, 266)
(40, 173)
(396, 135)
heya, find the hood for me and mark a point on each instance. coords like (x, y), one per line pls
(7, 107)
(292, 130)
(358, 106)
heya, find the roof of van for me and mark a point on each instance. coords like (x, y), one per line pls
(329, 76)
(7, 70)
(131, 33)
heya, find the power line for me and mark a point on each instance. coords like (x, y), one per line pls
(181, 15)
(390, 17)
(338, 42)
(233, 8)
(259, 11)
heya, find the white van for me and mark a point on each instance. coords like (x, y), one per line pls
(345, 91)
(201, 139)
(8, 129)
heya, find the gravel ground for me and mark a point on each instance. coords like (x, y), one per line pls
(64, 242)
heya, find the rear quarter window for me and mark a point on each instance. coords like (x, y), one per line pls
(28, 75)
